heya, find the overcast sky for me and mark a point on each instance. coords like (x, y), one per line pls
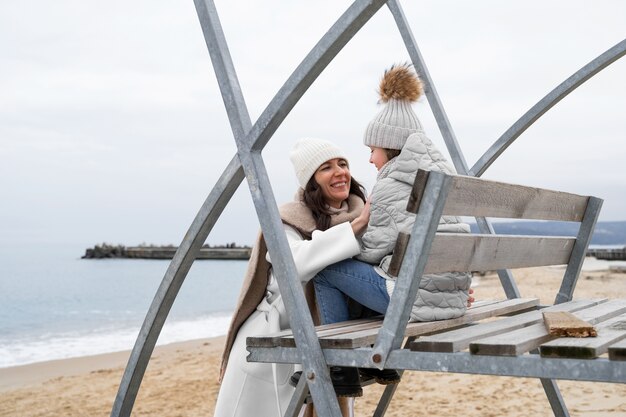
(112, 128)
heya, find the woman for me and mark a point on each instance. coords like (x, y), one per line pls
(322, 226)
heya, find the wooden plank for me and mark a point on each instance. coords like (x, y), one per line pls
(457, 340)
(417, 191)
(466, 252)
(373, 326)
(523, 340)
(565, 324)
(368, 337)
(617, 352)
(609, 332)
(399, 250)
(477, 197)
(273, 339)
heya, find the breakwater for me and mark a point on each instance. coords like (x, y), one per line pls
(609, 254)
(106, 251)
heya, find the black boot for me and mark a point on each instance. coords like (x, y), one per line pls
(346, 381)
(381, 376)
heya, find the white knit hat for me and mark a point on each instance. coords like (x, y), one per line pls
(309, 153)
(399, 88)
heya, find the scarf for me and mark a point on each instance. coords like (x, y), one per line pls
(253, 289)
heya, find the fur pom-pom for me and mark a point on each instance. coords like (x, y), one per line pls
(400, 83)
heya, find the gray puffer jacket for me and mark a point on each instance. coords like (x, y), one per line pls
(442, 295)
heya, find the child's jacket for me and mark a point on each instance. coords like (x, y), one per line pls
(442, 295)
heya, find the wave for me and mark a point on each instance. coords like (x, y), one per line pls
(74, 344)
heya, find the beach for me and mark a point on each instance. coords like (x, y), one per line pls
(181, 379)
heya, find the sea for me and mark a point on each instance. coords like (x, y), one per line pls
(55, 305)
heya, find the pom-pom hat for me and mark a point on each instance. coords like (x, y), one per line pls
(309, 153)
(399, 88)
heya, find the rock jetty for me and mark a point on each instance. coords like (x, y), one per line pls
(106, 251)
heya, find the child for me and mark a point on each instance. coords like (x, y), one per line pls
(399, 147)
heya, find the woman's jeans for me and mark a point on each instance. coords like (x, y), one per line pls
(349, 278)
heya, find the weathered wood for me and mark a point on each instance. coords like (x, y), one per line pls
(457, 340)
(565, 324)
(367, 337)
(483, 198)
(617, 352)
(608, 332)
(358, 333)
(465, 252)
(399, 251)
(417, 191)
(284, 338)
(477, 197)
(524, 340)
(273, 339)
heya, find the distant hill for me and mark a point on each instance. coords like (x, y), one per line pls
(605, 233)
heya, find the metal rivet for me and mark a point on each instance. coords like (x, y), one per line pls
(377, 358)
(310, 375)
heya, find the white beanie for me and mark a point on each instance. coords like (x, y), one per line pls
(399, 88)
(309, 153)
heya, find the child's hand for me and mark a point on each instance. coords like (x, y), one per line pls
(471, 299)
(360, 223)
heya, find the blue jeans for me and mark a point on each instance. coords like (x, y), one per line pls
(349, 278)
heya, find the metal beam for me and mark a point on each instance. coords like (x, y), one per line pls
(174, 277)
(545, 104)
(525, 366)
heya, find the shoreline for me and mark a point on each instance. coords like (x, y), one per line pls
(181, 377)
(20, 376)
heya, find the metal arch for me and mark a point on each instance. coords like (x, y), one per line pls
(545, 104)
(247, 139)
(249, 148)
(170, 285)
(431, 92)
(505, 275)
(250, 141)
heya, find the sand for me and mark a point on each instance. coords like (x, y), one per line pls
(181, 378)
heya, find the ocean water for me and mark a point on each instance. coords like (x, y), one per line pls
(54, 305)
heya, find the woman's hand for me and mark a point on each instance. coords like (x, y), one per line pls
(360, 223)
(471, 299)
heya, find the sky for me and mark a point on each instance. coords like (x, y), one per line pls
(112, 127)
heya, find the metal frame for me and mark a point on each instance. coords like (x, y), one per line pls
(526, 366)
(251, 139)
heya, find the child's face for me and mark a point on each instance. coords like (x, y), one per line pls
(378, 157)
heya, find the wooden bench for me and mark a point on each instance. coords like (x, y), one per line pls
(506, 337)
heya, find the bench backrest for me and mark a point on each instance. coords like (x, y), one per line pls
(470, 196)
(435, 194)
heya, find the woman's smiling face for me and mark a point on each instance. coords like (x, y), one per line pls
(333, 178)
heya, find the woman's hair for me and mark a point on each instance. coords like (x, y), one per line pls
(314, 200)
(391, 153)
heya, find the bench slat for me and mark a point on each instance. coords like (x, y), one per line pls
(368, 337)
(609, 332)
(457, 340)
(526, 339)
(349, 327)
(465, 252)
(474, 252)
(363, 332)
(617, 352)
(273, 339)
(477, 197)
